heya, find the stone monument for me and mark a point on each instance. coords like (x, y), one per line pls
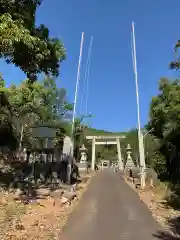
(67, 146)
(68, 154)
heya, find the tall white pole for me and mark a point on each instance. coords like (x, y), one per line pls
(88, 72)
(76, 91)
(21, 137)
(85, 82)
(140, 136)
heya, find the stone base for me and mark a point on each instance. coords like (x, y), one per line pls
(82, 166)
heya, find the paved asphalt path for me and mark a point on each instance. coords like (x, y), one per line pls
(110, 210)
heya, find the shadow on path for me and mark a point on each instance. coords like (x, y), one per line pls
(174, 225)
(165, 236)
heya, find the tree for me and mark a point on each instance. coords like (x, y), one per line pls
(6, 119)
(165, 122)
(175, 64)
(24, 44)
(29, 104)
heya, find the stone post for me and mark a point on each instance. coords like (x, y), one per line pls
(102, 165)
(93, 153)
(121, 167)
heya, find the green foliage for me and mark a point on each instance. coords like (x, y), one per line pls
(26, 45)
(79, 135)
(175, 64)
(99, 132)
(165, 108)
(165, 122)
(102, 152)
(28, 104)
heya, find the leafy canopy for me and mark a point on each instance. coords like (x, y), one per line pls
(24, 44)
(165, 122)
(165, 108)
(41, 102)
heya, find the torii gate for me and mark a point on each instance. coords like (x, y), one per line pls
(109, 140)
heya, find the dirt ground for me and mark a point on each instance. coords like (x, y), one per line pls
(40, 219)
(155, 199)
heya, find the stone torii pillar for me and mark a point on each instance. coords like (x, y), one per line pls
(121, 167)
(93, 153)
(107, 140)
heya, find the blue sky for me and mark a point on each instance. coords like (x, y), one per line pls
(112, 99)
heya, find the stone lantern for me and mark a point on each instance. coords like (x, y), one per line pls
(129, 161)
(129, 150)
(83, 152)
